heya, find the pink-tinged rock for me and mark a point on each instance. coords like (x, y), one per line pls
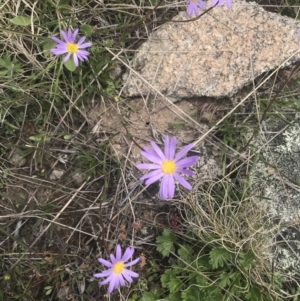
(215, 55)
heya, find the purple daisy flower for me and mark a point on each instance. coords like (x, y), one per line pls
(70, 47)
(167, 166)
(117, 271)
(220, 3)
(192, 7)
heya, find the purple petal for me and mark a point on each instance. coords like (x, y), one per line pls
(70, 36)
(151, 151)
(185, 171)
(81, 40)
(148, 166)
(153, 158)
(128, 254)
(66, 57)
(73, 36)
(127, 276)
(81, 57)
(151, 174)
(158, 150)
(103, 274)
(64, 35)
(112, 259)
(130, 274)
(189, 10)
(173, 147)
(75, 59)
(121, 280)
(117, 282)
(229, 4)
(193, 9)
(171, 187)
(182, 181)
(201, 4)
(58, 41)
(58, 51)
(83, 52)
(108, 279)
(183, 151)
(85, 45)
(114, 282)
(214, 2)
(153, 179)
(118, 253)
(133, 262)
(167, 187)
(105, 262)
(187, 162)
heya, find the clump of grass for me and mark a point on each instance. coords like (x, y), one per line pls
(220, 251)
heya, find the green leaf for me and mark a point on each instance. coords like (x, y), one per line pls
(174, 297)
(201, 280)
(166, 243)
(219, 257)
(87, 30)
(247, 260)
(193, 293)
(167, 276)
(48, 45)
(148, 296)
(22, 20)
(185, 252)
(225, 279)
(69, 64)
(253, 294)
(175, 285)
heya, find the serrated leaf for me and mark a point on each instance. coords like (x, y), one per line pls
(48, 45)
(87, 30)
(22, 20)
(201, 280)
(225, 279)
(70, 65)
(148, 296)
(175, 285)
(185, 252)
(253, 294)
(174, 297)
(219, 257)
(166, 243)
(247, 260)
(193, 293)
(167, 276)
(5, 62)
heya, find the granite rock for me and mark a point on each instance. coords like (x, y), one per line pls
(277, 177)
(215, 55)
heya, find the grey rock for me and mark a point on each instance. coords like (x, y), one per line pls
(78, 177)
(18, 159)
(215, 55)
(56, 174)
(277, 176)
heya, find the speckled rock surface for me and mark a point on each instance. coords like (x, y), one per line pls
(215, 55)
(277, 176)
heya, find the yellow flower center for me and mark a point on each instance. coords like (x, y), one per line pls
(72, 48)
(194, 1)
(118, 267)
(168, 167)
